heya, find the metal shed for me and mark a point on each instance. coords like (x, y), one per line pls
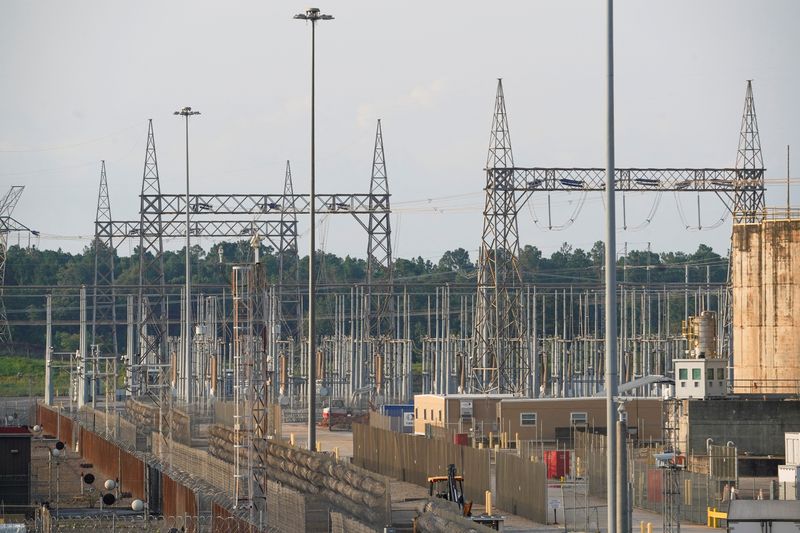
(15, 461)
(758, 516)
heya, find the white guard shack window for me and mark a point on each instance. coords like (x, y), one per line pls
(527, 419)
(578, 419)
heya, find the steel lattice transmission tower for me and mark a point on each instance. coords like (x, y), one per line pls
(671, 507)
(748, 205)
(152, 301)
(500, 355)
(103, 292)
(288, 271)
(252, 377)
(7, 225)
(379, 245)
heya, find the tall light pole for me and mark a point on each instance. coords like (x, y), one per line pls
(611, 283)
(186, 112)
(312, 14)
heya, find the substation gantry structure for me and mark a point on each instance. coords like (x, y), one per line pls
(229, 215)
(504, 348)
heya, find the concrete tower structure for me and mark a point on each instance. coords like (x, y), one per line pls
(766, 306)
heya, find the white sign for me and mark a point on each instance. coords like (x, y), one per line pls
(408, 419)
(466, 408)
(555, 504)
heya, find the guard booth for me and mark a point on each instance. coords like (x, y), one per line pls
(15, 474)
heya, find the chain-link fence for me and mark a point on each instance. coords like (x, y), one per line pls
(521, 486)
(697, 491)
(413, 458)
(18, 412)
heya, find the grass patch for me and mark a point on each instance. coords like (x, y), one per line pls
(20, 376)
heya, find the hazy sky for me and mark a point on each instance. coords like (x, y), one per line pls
(80, 79)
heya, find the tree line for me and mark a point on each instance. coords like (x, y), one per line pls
(566, 266)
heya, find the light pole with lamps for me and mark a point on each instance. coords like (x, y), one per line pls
(313, 14)
(186, 112)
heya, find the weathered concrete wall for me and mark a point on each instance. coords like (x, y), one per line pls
(766, 307)
(754, 426)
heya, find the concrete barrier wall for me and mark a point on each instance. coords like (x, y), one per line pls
(755, 427)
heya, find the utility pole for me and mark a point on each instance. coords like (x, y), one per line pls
(611, 280)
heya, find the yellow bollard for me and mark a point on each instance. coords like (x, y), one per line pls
(649, 527)
(491, 438)
(480, 445)
(489, 502)
(516, 440)
(496, 447)
(642, 529)
(319, 446)
(291, 439)
(336, 452)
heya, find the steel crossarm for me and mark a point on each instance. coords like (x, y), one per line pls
(719, 180)
(9, 225)
(255, 204)
(267, 229)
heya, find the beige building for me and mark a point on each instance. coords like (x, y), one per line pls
(547, 419)
(766, 307)
(459, 412)
(552, 419)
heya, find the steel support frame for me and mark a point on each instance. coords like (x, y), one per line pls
(103, 298)
(501, 362)
(7, 225)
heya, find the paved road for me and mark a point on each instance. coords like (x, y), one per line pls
(328, 439)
